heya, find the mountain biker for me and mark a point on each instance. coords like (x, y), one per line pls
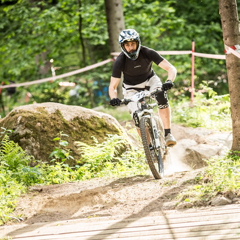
(135, 62)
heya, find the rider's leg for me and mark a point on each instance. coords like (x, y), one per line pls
(164, 109)
(165, 115)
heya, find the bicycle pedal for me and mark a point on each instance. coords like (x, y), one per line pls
(171, 144)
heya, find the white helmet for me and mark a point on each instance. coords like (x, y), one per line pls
(128, 35)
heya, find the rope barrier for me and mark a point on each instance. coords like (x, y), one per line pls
(53, 78)
(205, 55)
(234, 50)
(215, 56)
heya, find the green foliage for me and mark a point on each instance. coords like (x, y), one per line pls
(104, 159)
(61, 153)
(12, 159)
(32, 33)
(209, 110)
(10, 190)
(12, 156)
(75, 35)
(221, 176)
(56, 174)
(173, 25)
(32, 28)
(101, 160)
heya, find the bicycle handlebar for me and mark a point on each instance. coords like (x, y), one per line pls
(158, 90)
(126, 101)
(141, 95)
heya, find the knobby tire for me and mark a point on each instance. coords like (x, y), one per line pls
(154, 157)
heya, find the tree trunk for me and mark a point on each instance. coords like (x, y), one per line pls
(231, 36)
(81, 40)
(115, 20)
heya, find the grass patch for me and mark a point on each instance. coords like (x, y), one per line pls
(121, 113)
(221, 176)
(211, 111)
(109, 159)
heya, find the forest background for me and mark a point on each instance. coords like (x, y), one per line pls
(74, 34)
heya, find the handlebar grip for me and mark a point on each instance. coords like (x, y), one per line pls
(158, 90)
(125, 101)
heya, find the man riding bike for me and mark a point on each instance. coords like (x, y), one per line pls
(135, 62)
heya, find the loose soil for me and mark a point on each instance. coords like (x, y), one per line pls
(133, 196)
(137, 195)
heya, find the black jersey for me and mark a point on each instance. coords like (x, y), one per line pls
(139, 70)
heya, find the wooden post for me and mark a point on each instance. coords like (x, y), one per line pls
(52, 70)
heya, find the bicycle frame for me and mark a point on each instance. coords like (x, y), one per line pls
(149, 113)
(145, 108)
(150, 132)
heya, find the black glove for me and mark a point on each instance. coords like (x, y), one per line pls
(115, 102)
(167, 85)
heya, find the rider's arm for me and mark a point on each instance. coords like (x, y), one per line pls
(172, 71)
(113, 87)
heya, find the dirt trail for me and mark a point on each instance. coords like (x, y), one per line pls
(103, 197)
(137, 206)
(137, 195)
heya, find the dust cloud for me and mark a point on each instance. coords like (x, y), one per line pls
(174, 161)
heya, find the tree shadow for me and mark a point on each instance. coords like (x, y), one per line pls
(155, 207)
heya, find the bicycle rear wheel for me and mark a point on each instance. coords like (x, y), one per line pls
(154, 155)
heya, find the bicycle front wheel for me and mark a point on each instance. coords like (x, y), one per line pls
(153, 154)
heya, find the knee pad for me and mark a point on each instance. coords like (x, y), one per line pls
(162, 100)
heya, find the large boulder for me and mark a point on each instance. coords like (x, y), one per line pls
(36, 125)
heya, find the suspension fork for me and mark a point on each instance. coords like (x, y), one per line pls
(154, 125)
(155, 132)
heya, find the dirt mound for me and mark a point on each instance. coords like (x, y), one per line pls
(138, 196)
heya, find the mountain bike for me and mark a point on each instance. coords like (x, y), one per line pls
(151, 130)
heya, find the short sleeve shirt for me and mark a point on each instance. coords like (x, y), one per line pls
(139, 70)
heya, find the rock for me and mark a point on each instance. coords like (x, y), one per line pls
(195, 155)
(236, 200)
(220, 139)
(193, 159)
(197, 144)
(220, 200)
(229, 194)
(198, 134)
(184, 205)
(36, 125)
(203, 136)
(206, 150)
